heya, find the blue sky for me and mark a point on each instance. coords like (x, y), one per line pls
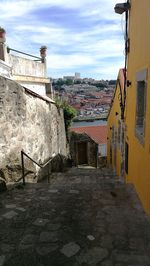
(81, 36)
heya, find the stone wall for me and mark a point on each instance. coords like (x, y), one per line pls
(28, 122)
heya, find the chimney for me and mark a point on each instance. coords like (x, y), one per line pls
(3, 50)
(43, 53)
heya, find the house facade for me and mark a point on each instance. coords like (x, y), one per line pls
(115, 135)
(83, 149)
(88, 145)
(137, 117)
(28, 70)
(136, 95)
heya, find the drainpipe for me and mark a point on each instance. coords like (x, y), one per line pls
(126, 58)
(120, 9)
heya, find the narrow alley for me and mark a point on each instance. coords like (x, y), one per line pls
(82, 217)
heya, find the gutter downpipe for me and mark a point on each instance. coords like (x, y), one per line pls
(126, 57)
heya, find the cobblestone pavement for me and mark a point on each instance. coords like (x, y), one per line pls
(79, 218)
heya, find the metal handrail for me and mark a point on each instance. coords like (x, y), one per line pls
(22, 163)
(17, 51)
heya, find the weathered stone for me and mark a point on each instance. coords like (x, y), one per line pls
(100, 228)
(53, 190)
(21, 209)
(10, 215)
(31, 122)
(108, 263)
(73, 191)
(28, 241)
(54, 227)
(70, 249)
(10, 206)
(136, 243)
(27, 200)
(120, 242)
(6, 248)
(90, 237)
(74, 218)
(43, 198)
(48, 237)
(106, 241)
(3, 186)
(40, 222)
(44, 250)
(63, 212)
(135, 259)
(2, 260)
(93, 256)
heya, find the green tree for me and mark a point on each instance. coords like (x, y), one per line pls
(69, 82)
(69, 113)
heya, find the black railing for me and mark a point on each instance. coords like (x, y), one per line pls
(22, 163)
(17, 51)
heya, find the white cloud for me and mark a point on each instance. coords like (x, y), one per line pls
(79, 50)
(69, 61)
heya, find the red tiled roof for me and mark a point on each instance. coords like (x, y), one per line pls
(76, 106)
(97, 133)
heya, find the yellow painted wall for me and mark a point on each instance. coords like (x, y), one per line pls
(113, 121)
(138, 59)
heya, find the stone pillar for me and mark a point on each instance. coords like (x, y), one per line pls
(3, 48)
(43, 57)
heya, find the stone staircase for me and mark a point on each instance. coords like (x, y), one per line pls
(84, 175)
(82, 217)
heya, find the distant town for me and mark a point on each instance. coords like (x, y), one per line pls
(91, 98)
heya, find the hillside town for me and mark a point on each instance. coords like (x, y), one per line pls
(91, 98)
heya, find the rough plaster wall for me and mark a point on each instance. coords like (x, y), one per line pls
(36, 87)
(29, 123)
(23, 66)
(5, 70)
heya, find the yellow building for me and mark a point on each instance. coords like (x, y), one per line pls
(115, 139)
(136, 98)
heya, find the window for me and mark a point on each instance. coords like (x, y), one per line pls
(121, 130)
(141, 104)
(102, 150)
(114, 137)
(119, 134)
(122, 138)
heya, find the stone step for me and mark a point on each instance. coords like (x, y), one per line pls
(85, 174)
(74, 172)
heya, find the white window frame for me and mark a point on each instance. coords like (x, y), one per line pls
(102, 152)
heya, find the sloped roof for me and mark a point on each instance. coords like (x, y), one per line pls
(97, 133)
(120, 79)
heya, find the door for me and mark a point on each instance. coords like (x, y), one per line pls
(110, 153)
(82, 153)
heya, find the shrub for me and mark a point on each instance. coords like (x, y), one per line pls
(69, 113)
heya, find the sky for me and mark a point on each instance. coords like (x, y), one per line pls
(84, 36)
